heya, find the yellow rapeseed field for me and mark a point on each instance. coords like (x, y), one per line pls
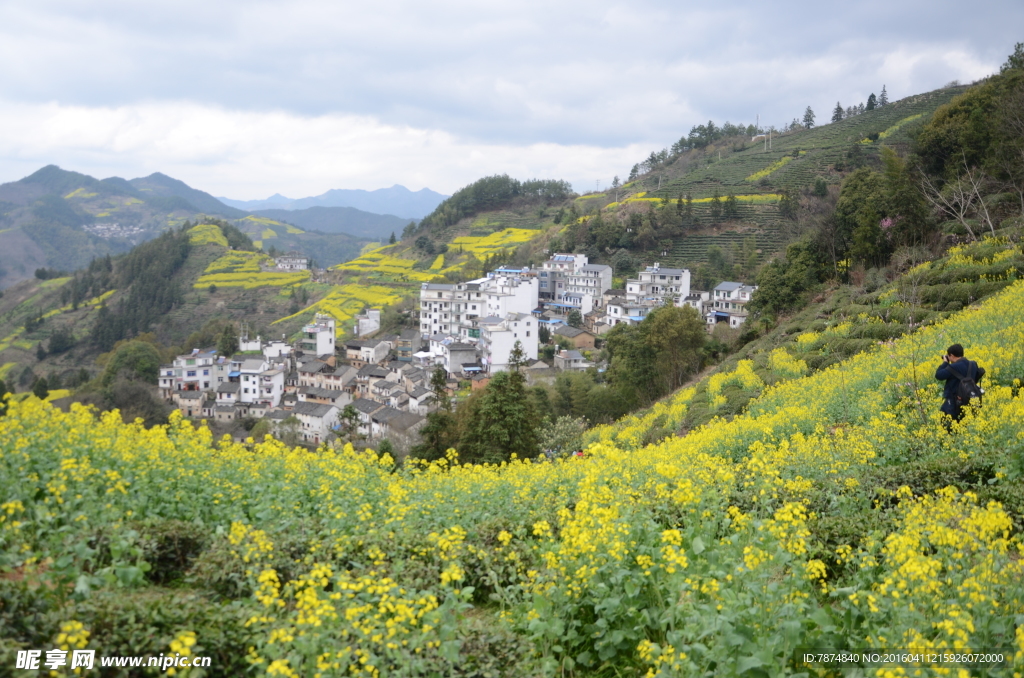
(823, 517)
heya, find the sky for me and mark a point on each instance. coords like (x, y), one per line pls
(247, 99)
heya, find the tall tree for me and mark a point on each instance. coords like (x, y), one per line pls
(227, 343)
(40, 389)
(574, 319)
(837, 112)
(872, 102)
(677, 336)
(716, 206)
(392, 240)
(731, 208)
(883, 98)
(439, 433)
(504, 422)
(809, 118)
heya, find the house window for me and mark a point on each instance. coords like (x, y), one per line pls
(527, 332)
(191, 373)
(206, 373)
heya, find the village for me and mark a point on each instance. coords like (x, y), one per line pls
(376, 385)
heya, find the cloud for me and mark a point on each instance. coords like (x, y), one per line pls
(531, 75)
(247, 154)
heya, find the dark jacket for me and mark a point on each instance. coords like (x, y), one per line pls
(951, 373)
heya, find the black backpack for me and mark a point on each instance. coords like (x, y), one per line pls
(968, 388)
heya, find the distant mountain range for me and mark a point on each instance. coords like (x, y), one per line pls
(397, 200)
(346, 220)
(59, 219)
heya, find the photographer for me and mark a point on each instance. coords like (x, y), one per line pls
(961, 377)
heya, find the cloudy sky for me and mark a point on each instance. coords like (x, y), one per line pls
(246, 99)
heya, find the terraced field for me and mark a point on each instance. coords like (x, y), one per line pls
(818, 150)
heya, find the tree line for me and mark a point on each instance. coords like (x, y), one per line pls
(494, 192)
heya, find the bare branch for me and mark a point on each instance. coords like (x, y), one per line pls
(975, 179)
(956, 205)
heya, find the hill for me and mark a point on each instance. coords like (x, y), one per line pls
(61, 220)
(397, 200)
(158, 184)
(651, 219)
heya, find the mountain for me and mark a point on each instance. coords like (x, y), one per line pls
(58, 219)
(397, 200)
(158, 184)
(347, 220)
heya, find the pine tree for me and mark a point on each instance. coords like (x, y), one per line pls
(227, 343)
(716, 206)
(731, 207)
(392, 240)
(837, 112)
(504, 422)
(871, 103)
(40, 389)
(883, 98)
(809, 118)
(439, 433)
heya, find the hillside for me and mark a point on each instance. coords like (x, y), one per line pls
(832, 514)
(61, 220)
(760, 179)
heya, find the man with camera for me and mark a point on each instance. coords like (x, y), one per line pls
(961, 376)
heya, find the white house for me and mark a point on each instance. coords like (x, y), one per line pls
(499, 336)
(316, 419)
(292, 261)
(249, 376)
(271, 387)
(590, 279)
(697, 300)
(191, 372)
(436, 308)
(318, 336)
(365, 409)
(631, 313)
(553, 273)
(728, 304)
(367, 322)
(656, 284)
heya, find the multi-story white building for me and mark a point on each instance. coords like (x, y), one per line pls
(553, 273)
(728, 303)
(661, 285)
(505, 295)
(191, 372)
(318, 336)
(499, 335)
(456, 309)
(436, 308)
(591, 279)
